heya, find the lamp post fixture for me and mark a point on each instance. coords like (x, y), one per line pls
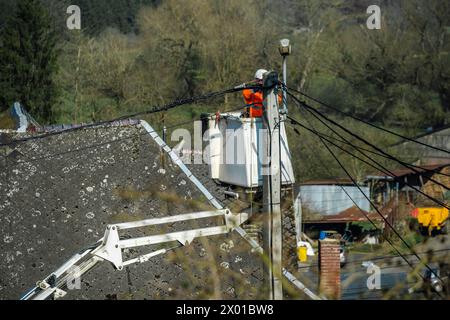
(285, 49)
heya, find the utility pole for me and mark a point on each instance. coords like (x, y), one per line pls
(285, 49)
(272, 239)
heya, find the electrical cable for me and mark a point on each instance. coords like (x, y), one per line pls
(381, 168)
(344, 150)
(308, 108)
(337, 146)
(380, 214)
(364, 121)
(376, 258)
(313, 111)
(152, 110)
(103, 143)
(362, 212)
(434, 171)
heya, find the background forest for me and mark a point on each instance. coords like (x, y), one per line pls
(133, 54)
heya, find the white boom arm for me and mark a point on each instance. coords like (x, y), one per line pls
(110, 247)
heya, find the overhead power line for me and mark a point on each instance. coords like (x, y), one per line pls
(105, 143)
(380, 167)
(329, 141)
(385, 220)
(356, 205)
(152, 110)
(386, 257)
(312, 111)
(379, 213)
(435, 171)
(367, 122)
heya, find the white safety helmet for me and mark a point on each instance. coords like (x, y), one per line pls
(259, 74)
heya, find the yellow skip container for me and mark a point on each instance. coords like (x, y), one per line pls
(432, 218)
(301, 252)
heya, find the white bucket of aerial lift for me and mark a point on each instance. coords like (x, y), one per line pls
(238, 137)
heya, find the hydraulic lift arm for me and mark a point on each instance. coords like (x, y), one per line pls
(110, 248)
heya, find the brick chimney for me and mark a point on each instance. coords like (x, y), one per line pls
(329, 268)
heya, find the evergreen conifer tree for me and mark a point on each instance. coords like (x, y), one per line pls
(28, 60)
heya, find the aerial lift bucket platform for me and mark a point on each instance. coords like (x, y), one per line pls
(235, 150)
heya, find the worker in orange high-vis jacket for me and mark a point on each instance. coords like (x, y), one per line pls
(254, 97)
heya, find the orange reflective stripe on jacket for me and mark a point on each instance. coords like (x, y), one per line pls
(254, 100)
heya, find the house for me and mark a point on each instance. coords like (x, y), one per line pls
(58, 193)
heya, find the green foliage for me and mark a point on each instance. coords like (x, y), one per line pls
(28, 59)
(364, 225)
(99, 15)
(6, 7)
(134, 54)
(447, 195)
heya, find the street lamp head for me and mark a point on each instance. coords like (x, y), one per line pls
(285, 47)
